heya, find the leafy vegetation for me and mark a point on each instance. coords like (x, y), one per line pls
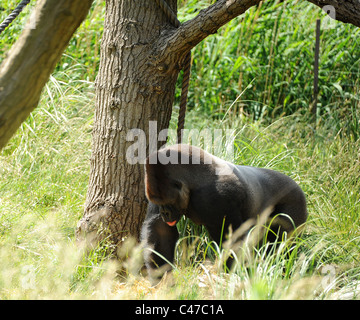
(266, 56)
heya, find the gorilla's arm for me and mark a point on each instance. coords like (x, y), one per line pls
(161, 238)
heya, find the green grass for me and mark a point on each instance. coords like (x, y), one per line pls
(272, 47)
(266, 55)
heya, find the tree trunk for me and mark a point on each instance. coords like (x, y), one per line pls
(32, 59)
(133, 87)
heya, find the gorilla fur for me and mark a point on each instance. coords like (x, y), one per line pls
(186, 180)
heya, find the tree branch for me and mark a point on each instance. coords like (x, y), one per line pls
(207, 22)
(32, 59)
(347, 11)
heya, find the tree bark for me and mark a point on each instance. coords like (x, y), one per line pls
(32, 59)
(133, 87)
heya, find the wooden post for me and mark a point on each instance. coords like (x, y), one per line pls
(316, 70)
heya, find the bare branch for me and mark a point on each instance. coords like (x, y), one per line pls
(33, 57)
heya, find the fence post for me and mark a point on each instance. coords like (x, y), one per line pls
(316, 71)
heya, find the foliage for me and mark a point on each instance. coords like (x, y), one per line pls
(266, 55)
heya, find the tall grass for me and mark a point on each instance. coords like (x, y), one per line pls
(266, 56)
(271, 46)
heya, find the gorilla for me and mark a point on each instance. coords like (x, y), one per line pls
(183, 180)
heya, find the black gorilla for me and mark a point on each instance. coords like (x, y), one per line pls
(186, 180)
